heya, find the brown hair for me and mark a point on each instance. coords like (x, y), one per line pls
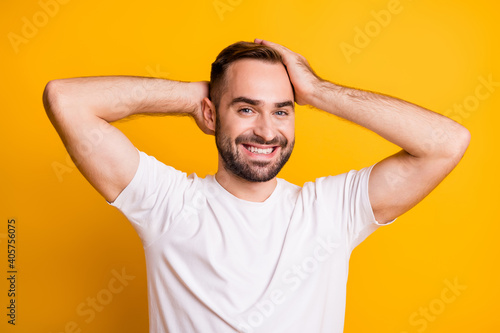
(230, 54)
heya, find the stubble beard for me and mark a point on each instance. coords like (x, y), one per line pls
(253, 171)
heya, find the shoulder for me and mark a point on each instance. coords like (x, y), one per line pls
(334, 185)
(154, 167)
(154, 177)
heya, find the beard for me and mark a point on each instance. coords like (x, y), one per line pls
(253, 171)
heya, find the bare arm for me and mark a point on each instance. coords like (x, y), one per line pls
(432, 144)
(82, 108)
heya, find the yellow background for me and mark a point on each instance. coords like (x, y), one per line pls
(70, 241)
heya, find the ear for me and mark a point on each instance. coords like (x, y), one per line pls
(208, 114)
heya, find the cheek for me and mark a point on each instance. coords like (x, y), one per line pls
(231, 129)
(288, 129)
(237, 126)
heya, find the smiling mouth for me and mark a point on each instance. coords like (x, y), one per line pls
(261, 151)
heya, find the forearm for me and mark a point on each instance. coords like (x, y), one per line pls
(81, 110)
(420, 132)
(115, 97)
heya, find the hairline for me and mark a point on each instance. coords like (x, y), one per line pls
(224, 79)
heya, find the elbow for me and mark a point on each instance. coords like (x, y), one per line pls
(466, 139)
(459, 143)
(52, 98)
(463, 140)
(49, 96)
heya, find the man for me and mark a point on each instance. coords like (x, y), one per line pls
(242, 250)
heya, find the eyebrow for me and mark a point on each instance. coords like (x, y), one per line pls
(243, 99)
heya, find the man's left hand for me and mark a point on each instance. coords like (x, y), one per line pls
(302, 77)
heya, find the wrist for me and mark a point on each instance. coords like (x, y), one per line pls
(322, 94)
(198, 91)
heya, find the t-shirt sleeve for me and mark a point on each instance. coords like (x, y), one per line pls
(346, 198)
(153, 198)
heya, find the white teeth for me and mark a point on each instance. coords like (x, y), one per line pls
(259, 150)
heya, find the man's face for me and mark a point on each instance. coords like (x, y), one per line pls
(255, 122)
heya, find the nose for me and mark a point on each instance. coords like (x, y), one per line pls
(264, 128)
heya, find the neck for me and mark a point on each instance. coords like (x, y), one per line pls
(244, 189)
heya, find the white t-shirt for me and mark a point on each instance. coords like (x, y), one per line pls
(217, 263)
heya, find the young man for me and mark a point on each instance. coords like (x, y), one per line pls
(242, 250)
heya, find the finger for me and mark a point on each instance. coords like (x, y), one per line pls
(280, 48)
(287, 54)
(266, 43)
